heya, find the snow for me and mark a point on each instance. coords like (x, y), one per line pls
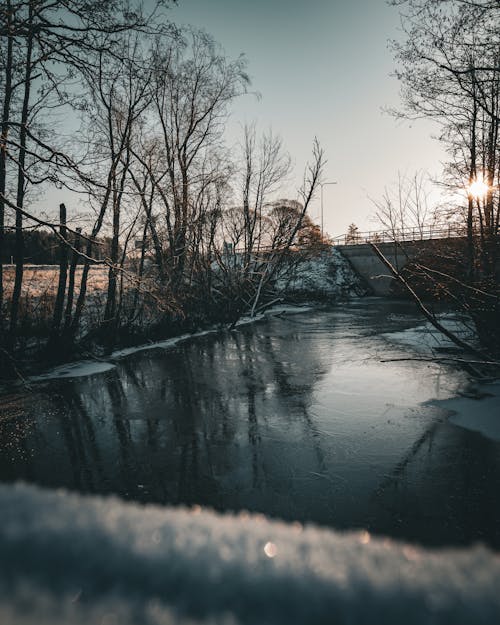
(172, 342)
(90, 367)
(73, 560)
(426, 338)
(328, 275)
(480, 413)
(165, 344)
(75, 370)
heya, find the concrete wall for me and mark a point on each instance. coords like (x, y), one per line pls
(377, 276)
(371, 269)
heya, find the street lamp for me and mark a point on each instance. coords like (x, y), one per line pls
(323, 184)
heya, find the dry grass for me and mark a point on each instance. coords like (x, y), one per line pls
(40, 281)
(38, 295)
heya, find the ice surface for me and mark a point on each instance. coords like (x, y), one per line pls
(168, 343)
(481, 413)
(67, 559)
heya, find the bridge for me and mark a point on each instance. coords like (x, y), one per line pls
(356, 249)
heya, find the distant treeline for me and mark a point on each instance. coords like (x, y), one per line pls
(43, 248)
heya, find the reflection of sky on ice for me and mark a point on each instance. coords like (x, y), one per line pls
(293, 416)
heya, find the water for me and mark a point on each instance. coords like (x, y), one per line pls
(295, 417)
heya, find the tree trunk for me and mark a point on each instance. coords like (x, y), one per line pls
(3, 152)
(19, 239)
(63, 276)
(71, 285)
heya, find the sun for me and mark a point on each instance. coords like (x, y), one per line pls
(478, 188)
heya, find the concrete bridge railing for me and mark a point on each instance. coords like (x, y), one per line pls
(400, 234)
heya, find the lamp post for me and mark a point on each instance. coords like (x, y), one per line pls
(323, 184)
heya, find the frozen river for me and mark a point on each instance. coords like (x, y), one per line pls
(310, 417)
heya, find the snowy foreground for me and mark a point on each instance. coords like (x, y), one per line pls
(67, 559)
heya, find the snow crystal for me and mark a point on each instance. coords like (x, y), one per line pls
(71, 560)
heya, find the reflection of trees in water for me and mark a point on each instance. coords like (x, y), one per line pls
(422, 499)
(81, 442)
(252, 384)
(301, 388)
(197, 423)
(229, 421)
(289, 365)
(397, 476)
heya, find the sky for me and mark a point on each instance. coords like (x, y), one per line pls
(323, 68)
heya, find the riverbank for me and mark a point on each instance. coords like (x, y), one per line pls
(83, 368)
(322, 278)
(95, 364)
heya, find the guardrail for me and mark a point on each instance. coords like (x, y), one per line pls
(406, 234)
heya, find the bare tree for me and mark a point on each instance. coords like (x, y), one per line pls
(193, 85)
(265, 168)
(271, 228)
(44, 47)
(449, 69)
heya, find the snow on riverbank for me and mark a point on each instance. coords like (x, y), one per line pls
(71, 560)
(84, 368)
(327, 275)
(78, 369)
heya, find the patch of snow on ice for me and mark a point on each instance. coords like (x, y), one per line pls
(425, 338)
(165, 344)
(481, 414)
(168, 343)
(71, 560)
(75, 370)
